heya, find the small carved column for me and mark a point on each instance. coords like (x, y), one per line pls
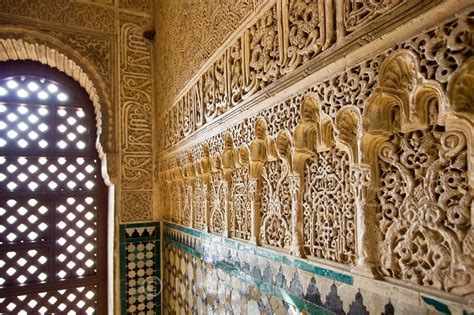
(190, 174)
(296, 193)
(206, 169)
(165, 187)
(255, 212)
(260, 149)
(228, 194)
(226, 190)
(305, 138)
(179, 202)
(169, 202)
(365, 220)
(229, 162)
(205, 189)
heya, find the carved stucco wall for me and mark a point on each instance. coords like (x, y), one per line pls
(104, 40)
(339, 132)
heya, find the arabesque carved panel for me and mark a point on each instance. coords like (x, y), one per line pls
(329, 210)
(370, 168)
(284, 39)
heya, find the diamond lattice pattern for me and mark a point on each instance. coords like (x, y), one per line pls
(76, 222)
(49, 179)
(81, 300)
(23, 220)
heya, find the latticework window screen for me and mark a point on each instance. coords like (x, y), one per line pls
(52, 205)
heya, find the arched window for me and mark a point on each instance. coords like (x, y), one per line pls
(53, 212)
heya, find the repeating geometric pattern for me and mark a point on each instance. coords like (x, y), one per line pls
(140, 268)
(24, 126)
(30, 174)
(49, 203)
(81, 300)
(73, 134)
(23, 267)
(76, 225)
(23, 220)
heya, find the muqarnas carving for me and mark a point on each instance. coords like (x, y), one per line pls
(419, 140)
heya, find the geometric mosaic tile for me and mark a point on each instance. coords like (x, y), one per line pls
(140, 268)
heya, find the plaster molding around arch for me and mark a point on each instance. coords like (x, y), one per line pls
(24, 44)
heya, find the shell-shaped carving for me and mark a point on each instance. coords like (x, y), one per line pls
(229, 155)
(261, 128)
(217, 162)
(427, 104)
(461, 88)
(310, 108)
(262, 147)
(306, 132)
(399, 71)
(189, 166)
(348, 125)
(284, 144)
(244, 154)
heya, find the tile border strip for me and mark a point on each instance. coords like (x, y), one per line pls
(262, 252)
(281, 258)
(280, 293)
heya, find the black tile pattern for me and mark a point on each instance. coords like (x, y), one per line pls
(334, 302)
(357, 307)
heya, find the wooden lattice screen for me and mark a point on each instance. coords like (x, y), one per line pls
(52, 205)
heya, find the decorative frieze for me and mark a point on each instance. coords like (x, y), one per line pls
(136, 119)
(287, 36)
(376, 176)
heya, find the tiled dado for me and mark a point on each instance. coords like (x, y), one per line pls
(210, 274)
(140, 280)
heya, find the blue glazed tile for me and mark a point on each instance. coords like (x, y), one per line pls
(267, 274)
(440, 307)
(256, 273)
(280, 279)
(277, 257)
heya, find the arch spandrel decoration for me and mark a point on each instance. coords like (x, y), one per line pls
(241, 199)
(418, 143)
(23, 44)
(276, 202)
(326, 158)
